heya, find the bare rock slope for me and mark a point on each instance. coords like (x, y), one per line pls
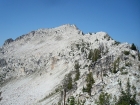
(48, 66)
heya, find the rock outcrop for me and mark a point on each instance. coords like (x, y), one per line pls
(34, 67)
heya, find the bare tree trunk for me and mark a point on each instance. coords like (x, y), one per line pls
(101, 71)
(64, 95)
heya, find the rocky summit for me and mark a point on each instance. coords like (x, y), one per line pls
(64, 66)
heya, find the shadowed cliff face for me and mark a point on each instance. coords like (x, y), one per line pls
(3, 62)
(8, 41)
(35, 66)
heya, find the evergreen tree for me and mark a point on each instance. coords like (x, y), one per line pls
(90, 81)
(90, 54)
(104, 99)
(126, 97)
(72, 101)
(96, 55)
(133, 47)
(77, 75)
(69, 85)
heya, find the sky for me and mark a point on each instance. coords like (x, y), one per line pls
(119, 18)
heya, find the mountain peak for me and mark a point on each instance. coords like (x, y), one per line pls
(47, 66)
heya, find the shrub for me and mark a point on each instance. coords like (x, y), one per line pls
(84, 89)
(128, 64)
(122, 67)
(96, 55)
(104, 99)
(116, 65)
(124, 73)
(105, 74)
(78, 46)
(72, 101)
(133, 56)
(126, 52)
(133, 47)
(116, 43)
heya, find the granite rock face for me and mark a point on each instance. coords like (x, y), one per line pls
(33, 67)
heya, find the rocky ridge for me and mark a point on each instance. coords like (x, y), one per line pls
(34, 67)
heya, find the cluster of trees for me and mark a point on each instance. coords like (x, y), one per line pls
(126, 97)
(94, 55)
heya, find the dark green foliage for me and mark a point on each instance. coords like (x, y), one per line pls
(124, 73)
(90, 54)
(67, 85)
(122, 68)
(84, 89)
(128, 64)
(77, 66)
(78, 46)
(90, 81)
(126, 97)
(68, 100)
(133, 56)
(116, 65)
(104, 99)
(59, 103)
(133, 47)
(116, 43)
(105, 74)
(126, 52)
(94, 55)
(90, 33)
(138, 55)
(72, 101)
(77, 75)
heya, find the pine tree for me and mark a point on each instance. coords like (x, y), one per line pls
(126, 97)
(104, 99)
(72, 101)
(77, 75)
(133, 47)
(90, 81)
